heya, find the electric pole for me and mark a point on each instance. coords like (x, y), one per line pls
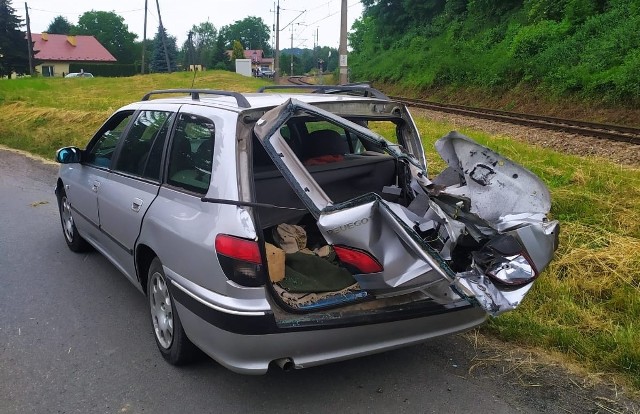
(144, 35)
(162, 37)
(291, 54)
(276, 61)
(29, 41)
(343, 43)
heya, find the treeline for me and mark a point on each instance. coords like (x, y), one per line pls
(206, 45)
(586, 47)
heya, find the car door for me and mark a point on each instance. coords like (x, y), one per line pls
(132, 183)
(82, 181)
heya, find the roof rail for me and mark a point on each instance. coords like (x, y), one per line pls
(363, 89)
(195, 95)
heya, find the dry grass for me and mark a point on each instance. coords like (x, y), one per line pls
(586, 305)
(547, 374)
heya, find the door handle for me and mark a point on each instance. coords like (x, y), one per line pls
(136, 204)
(95, 186)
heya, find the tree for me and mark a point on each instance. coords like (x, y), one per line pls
(158, 61)
(250, 31)
(202, 46)
(111, 31)
(14, 56)
(204, 38)
(220, 57)
(238, 52)
(60, 25)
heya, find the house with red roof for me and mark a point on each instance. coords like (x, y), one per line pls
(258, 61)
(54, 52)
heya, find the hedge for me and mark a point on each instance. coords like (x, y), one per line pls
(111, 70)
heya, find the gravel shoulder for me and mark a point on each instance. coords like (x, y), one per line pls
(618, 152)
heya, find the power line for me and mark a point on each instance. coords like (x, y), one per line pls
(76, 13)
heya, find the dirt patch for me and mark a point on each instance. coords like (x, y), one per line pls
(544, 381)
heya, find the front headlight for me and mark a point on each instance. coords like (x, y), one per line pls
(506, 262)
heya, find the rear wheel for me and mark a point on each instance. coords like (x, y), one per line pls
(171, 339)
(75, 242)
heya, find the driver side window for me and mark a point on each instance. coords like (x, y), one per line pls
(103, 146)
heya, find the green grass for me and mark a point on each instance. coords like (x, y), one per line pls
(586, 304)
(40, 115)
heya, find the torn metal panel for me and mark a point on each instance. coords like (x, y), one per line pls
(497, 185)
(383, 229)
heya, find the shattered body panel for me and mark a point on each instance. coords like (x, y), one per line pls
(478, 231)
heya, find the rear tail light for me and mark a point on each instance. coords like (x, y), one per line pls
(240, 260)
(360, 260)
(506, 262)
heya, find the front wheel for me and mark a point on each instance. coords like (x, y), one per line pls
(171, 339)
(75, 242)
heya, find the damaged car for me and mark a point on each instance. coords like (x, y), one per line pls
(297, 229)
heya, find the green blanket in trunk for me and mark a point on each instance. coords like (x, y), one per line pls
(308, 273)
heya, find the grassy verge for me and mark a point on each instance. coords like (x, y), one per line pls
(586, 304)
(41, 115)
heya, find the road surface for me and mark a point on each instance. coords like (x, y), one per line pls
(75, 337)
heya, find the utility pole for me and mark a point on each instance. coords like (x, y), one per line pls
(164, 42)
(276, 61)
(144, 35)
(291, 54)
(29, 41)
(343, 43)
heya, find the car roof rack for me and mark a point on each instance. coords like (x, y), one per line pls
(352, 89)
(195, 95)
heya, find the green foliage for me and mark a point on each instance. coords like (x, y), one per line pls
(251, 32)
(202, 47)
(60, 25)
(106, 69)
(237, 52)
(13, 47)
(159, 58)
(111, 31)
(587, 48)
(220, 59)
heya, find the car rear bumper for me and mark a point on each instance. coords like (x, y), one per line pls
(252, 353)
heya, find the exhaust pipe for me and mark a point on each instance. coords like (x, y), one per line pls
(285, 364)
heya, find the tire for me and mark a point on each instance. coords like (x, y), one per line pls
(75, 242)
(170, 337)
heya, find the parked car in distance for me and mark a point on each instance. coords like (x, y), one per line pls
(78, 75)
(282, 229)
(266, 73)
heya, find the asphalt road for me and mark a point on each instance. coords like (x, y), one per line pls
(75, 337)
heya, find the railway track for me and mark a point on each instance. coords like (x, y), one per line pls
(604, 131)
(298, 80)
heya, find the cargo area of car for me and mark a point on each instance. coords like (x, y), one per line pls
(350, 219)
(305, 271)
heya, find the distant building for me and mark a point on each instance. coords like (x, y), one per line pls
(258, 61)
(55, 52)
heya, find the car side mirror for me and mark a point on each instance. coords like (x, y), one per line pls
(69, 155)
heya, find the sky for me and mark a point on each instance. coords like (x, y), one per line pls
(306, 18)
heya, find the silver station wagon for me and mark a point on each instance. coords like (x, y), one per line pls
(300, 227)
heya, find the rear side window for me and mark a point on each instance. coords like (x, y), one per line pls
(191, 155)
(103, 145)
(145, 138)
